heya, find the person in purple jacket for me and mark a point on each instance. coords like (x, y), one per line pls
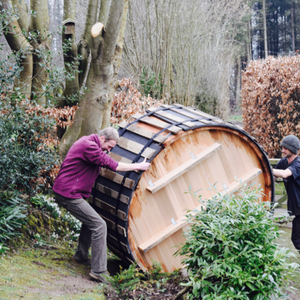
(73, 186)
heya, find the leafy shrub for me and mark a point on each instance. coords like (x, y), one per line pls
(230, 250)
(206, 102)
(125, 281)
(12, 215)
(151, 83)
(3, 249)
(25, 157)
(132, 283)
(155, 272)
(271, 100)
(28, 160)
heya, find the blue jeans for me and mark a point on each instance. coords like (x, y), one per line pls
(93, 231)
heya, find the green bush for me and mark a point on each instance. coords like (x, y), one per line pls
(130, 282)
(12, 215)
(125, 281)
(206, 102)
(231, 250)
(24, 154)
(151, 83)
(28, 156)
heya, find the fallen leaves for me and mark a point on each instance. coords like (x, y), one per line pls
(129, 101)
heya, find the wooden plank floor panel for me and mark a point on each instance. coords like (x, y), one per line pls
(183, 168)
(157, 209)
(181, 222)
(232, 152)
(175, 190)
(178, 191)
(153, 231)
(150, 209)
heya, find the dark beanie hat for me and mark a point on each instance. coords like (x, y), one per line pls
(292, 143)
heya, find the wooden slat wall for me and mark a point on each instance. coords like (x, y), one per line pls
(135, 147)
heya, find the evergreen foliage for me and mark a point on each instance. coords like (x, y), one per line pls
(282, 27)
(24, 154)
(12, 215)
(151, 84)
(230, 250)
(28, 146)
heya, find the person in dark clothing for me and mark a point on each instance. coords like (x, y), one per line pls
(73, 186)
(288, 168)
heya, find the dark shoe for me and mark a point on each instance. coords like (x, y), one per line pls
(102, 277)
(86, 262)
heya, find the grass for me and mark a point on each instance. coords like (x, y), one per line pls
(48, 272)
(45, 273)
(235, 118)
(279, 188)
(284, 240)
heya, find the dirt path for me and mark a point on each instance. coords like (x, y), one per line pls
(46, 274)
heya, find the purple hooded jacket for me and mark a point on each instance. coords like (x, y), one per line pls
(81, 167)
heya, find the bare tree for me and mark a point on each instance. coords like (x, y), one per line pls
(265, 27)
(189, 46)
(293, 26)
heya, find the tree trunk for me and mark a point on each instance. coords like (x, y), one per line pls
(33, 78)
(239, 82)
(249, 44)
(265, 28)
(293, 26)
(39, 24)
(17, 42)
(71, 54)
(95, 107)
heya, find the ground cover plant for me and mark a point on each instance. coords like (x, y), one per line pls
(231, 252)
(12, 216)
(57, 222)
(132, 283)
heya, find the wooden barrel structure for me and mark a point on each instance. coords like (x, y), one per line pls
(145, 211)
